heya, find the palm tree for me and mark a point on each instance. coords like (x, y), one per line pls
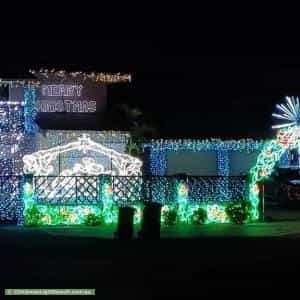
(142, 126)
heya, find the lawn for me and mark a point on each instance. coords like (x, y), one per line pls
(287, 228)
(213, 255)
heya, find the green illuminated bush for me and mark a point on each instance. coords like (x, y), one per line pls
(32, 216)
(93, 220)
(199, 216)
(170, 216)
(239, 212)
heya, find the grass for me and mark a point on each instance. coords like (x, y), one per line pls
(209, 255)
(273, 229)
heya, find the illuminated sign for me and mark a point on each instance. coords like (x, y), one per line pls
(64, 105)
(70, 95)
(67, 90)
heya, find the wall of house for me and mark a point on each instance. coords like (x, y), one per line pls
(192, 163)
(204, 163)
(241, 162)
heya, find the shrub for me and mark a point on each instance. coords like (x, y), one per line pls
(239, 212)
(32, 216)
(170, 216)
(93, 220)
(199, 216)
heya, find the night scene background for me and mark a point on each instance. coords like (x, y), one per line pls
(189, 95)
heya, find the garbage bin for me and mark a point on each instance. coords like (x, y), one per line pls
(125, 223)
(151, 221)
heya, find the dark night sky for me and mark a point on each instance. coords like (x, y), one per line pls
(194, 95)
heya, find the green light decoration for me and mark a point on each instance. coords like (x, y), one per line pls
(109, 211)
(37, 215)
(287, 137)
(30, 110)
(239, 211)
(28, 194)
(266, 161)
(181, 210)
(216, 214)
(272, 151)
(169, 215)
(198, 216)
(207, 213)
(63, 215)
(182, 200)
(138, 214)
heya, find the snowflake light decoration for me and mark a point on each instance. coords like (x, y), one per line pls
(289, 112)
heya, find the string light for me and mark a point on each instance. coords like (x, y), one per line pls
(15, 141)
(266, 161)
(18, 136)
(109, 211)
(39, 163)
(226, 190)
(19, 83)
(216, 213)
(158, 151)
(10, 199)
(212, 195)
(248, 145)
(12, 145)
(204, 192)
(182, 200)
(65, 215)
(274, 150)
(96, 77)
(57, 214)
(12, 103)
(289, 112)
(30, 110)
(158, 162)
